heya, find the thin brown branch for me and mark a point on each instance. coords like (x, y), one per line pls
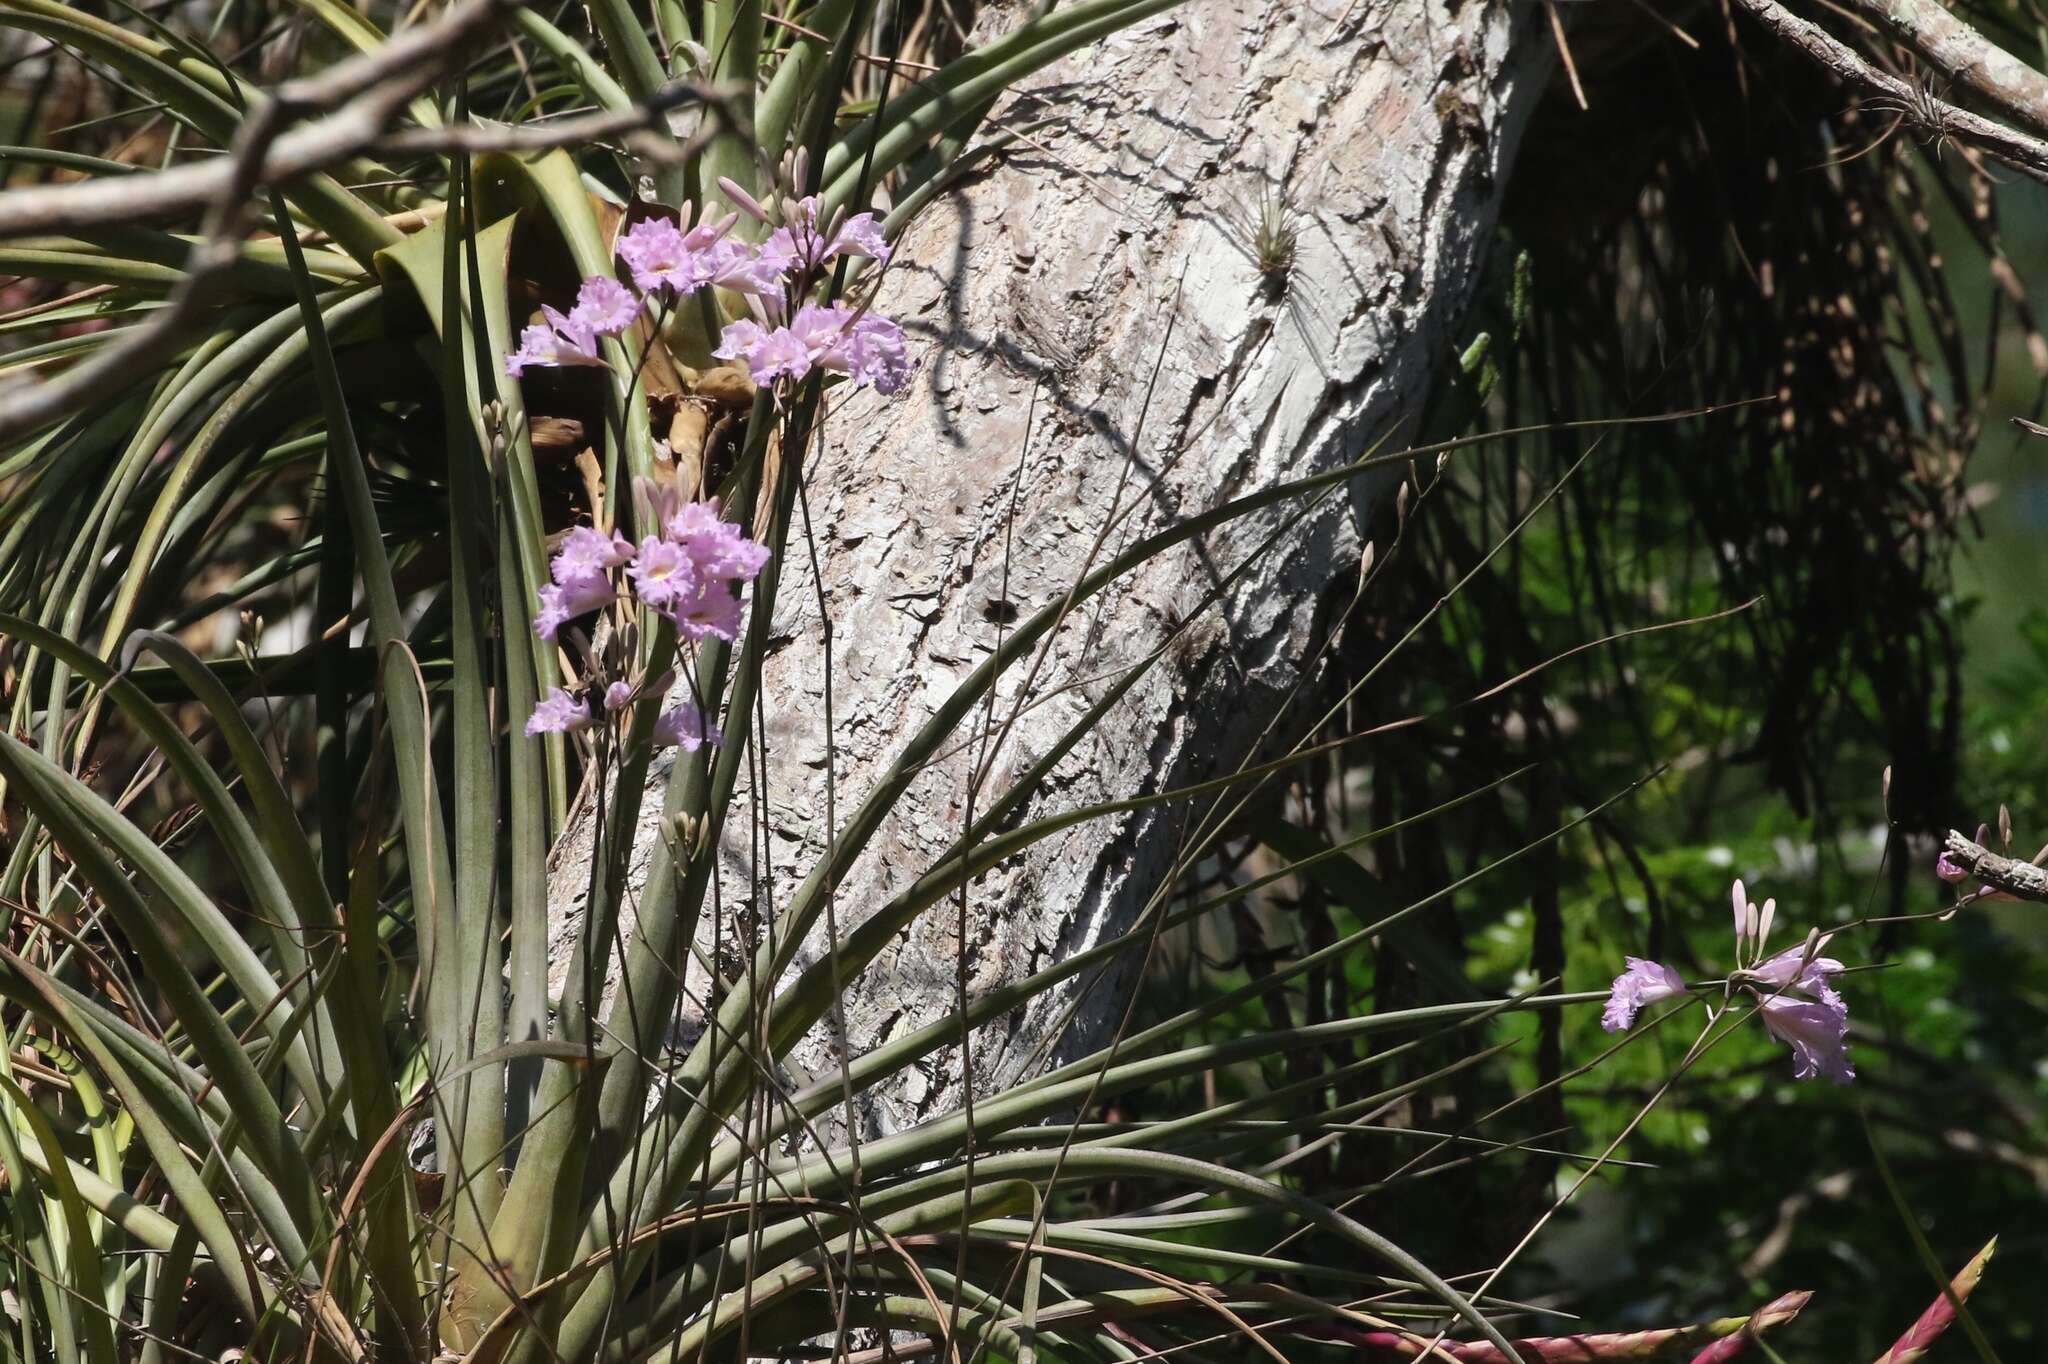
(364, 94)
(2019, 150)
(2022, 880)
(645, 116)
(358, 96)
(897, 62)
(1564, 51)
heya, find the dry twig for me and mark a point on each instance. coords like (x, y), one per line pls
(358, 98)
(2022, 880)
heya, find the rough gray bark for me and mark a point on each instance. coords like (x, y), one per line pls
(1041, 296)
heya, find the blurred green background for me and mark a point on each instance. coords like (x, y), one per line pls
(1677, 248)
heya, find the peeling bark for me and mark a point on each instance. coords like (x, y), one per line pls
(1041, 295)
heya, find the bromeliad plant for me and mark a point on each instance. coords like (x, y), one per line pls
(413, 415)
(392, 415)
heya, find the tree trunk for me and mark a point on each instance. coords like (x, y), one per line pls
(1043, 295)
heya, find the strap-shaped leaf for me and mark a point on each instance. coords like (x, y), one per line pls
(208, 1218)
(87, 1310)
(90, 831)
(277, 870)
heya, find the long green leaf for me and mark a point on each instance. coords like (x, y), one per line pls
(90, 830)
(35, 1241)
(475, 974)
(796, 76)
(426, 843)
(83, 1276)
(208, 1219)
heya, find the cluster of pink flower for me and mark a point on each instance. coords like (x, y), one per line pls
(1800, 1006)
(785, 339)
(685, 571)
(604, 307)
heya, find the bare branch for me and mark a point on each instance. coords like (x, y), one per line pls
(2017, 149)
(2022, 880)
(369, 90)
(363, 94)
(646, 115)
(359, 97)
